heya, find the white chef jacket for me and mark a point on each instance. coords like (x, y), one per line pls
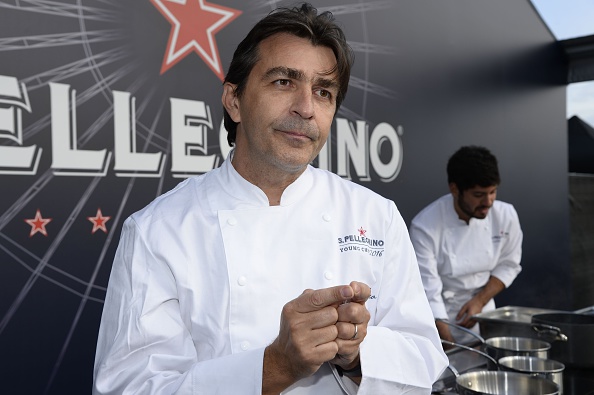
(202, 273)
(456, 259)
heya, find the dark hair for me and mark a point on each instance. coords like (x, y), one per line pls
(303, 22)
(471, 166)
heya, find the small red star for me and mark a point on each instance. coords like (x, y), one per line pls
(38, 224)
(362, 231)
(193, 26)
(99, 221)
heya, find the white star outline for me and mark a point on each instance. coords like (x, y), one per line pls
(172, 56)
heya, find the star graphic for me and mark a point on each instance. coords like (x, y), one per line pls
(193, 26)
(362, 231)
(99, 221)
(38, 224)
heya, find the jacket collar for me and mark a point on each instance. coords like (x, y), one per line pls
(235, 192)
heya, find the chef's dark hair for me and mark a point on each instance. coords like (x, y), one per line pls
(303, 22)
(472, 166)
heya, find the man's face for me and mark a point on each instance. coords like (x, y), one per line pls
(474, 202)
(286, 109)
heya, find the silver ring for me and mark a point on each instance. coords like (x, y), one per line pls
(356, 332)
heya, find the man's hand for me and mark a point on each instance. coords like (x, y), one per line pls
(475, 305)
(470, 308)
(307, 336)
(353, 318)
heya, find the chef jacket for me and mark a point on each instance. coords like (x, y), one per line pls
(202, 273)
(456, 259)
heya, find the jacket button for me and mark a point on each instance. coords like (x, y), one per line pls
(242, 280)
(245, 345)
(232, 221)
(326, 217)
(328, 275)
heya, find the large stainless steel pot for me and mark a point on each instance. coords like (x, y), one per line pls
(517, 321)
(577, 351)
(546, 368)
(503, 383)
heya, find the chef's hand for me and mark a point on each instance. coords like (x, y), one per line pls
(307, 337)
(470, 308)
(350, 315)
(475, 305)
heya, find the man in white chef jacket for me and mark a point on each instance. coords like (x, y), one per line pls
(468, 244)
(266, 275)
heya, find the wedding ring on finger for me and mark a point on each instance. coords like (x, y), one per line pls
(355, 334)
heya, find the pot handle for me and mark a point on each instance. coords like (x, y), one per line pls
(453, 370)
(473, 350)
(549, 332)
(481, 339)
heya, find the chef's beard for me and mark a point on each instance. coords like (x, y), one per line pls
(465, 208)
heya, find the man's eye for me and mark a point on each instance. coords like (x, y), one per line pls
(282, 82)
(324, 93)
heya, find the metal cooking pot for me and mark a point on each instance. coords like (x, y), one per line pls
(507, 346)
(517, 321)
(503, 383)
(579, 328)
(546, 368)
(500, 347)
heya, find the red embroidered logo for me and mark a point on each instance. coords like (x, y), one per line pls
(362, 231)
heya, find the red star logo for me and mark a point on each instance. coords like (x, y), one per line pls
(38, 224)
(193, 26)
(362, 231)
(99, 221)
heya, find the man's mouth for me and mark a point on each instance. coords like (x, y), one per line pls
(296, 134)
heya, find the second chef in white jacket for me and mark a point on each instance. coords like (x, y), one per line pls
(468, 244)
(269, 276)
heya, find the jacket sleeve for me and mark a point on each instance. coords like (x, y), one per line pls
(402, 352)
(425, 247)
(508, 266)
(144, 346)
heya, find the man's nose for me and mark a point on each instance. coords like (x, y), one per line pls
(303, 103)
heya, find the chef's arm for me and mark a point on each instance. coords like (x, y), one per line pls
(444, 332)
(478, 301)
(276, 376)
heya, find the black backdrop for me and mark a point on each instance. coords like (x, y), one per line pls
(429, 77)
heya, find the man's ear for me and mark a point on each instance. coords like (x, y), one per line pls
(231, 102)
(453, 188)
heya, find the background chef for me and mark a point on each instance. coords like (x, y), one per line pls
(468, 244)
(203, 274)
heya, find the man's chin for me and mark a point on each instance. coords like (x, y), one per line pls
(481, 214)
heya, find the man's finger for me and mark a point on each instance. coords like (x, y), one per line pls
(361, 291)
(320, 298)
(353, 313)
